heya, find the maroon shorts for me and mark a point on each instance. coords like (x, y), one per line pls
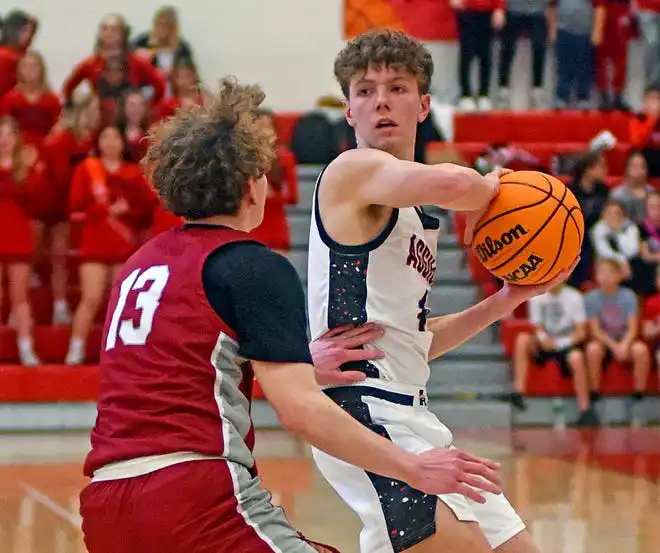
(193, 507)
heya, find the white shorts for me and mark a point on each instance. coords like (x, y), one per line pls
(395, 516)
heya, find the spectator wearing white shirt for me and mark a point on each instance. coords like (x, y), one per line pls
(560, 328)
(617, 238)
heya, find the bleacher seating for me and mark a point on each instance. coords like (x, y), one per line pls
(542, 133)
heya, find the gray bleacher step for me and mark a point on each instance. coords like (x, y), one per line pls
(474, 351)
(446, 274)
(453, 413)
(446, 298)
(456, 377)
(472, 413)
(299, 218)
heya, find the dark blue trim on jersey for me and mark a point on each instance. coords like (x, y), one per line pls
(429, 222)
(409, 513)
(351, 393)
(354, 249)
(347, 299)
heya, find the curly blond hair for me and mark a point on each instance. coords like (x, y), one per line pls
(200, 160)
(384, 48)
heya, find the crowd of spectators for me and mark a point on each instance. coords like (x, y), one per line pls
(71, 184)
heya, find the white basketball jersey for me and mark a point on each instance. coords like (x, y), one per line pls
(385, 281)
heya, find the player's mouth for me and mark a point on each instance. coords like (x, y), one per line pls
(385, 124)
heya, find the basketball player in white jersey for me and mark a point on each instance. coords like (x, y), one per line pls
(372, 257)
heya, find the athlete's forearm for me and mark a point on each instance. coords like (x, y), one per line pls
(307, 412)
(450, 331)
(326, 426)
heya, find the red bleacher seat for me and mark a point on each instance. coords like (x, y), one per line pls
(49, 383)
(538, 126)
(50, 343)
(544, 151)
(547, 380)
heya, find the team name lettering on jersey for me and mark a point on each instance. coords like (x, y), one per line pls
(490, 247)
(421, 258)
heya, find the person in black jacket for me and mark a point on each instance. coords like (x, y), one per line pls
(163, 44)
(591, 192)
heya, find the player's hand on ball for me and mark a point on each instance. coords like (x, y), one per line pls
(475, 216)
(522, 293)
(341, 345)
(445, 470)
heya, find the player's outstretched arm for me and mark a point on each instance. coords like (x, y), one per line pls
(305, 411)
(372, 177)
(450, 331)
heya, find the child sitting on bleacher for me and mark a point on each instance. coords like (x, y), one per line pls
(613, 315)
(651, 321)
(649, 233)
(560, 329)
(616, 237)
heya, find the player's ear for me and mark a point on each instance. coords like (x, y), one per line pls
(425, 108)
(251, 192)
(347, 113)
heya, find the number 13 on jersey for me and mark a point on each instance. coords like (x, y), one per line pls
(150, 283)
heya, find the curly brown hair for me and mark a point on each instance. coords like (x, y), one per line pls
(384, 48)
(200, 160)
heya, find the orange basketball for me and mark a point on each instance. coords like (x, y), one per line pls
(532, 231)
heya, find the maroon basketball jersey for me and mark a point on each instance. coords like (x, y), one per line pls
(171, 379)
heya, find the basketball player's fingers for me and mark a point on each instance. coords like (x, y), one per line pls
(479, 469)
(469, 492)
(494, 465)
(480, 483)
(362, 354)
(349, 377)
(337, 331)
(365, 337)
(359, 331)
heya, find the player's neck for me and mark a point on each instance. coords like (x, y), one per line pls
(404, 154)
(237, 223)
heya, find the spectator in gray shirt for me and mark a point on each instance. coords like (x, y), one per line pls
(530, 16)
(576, 27)
(613, 315)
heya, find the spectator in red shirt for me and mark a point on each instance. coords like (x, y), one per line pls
(18, 31)
(651, 321)
(187, 89)
(31, 103)
(133, 120)
(645, 130)
(112, 43)
(282, 191)
(614, 51)
(477, 22)
(19, 172)
(70, 142)
(111, 202)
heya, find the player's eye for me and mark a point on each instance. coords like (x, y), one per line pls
(363, 91)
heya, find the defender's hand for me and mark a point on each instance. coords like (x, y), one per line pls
(338, 346)
(445, 470)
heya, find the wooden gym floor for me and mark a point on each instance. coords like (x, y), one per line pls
(580, 492)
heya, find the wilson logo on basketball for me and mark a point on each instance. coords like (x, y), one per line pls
(490, 247)
(527, 268)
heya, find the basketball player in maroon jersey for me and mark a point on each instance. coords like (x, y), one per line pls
(194, 315)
